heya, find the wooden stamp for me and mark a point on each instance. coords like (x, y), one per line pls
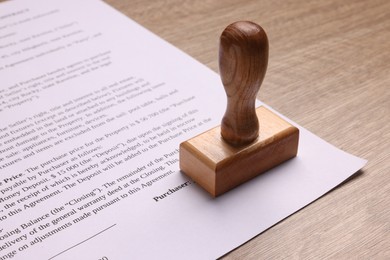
(249, 140)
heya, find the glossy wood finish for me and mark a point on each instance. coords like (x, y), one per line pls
(328, 71)
(243, 59)
(225, 157)
(219, 167)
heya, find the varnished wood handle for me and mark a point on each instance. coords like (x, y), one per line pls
(243, 59)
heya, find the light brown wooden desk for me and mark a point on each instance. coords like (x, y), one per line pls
(329, 71)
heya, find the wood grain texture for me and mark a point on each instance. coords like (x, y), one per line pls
(243, 59)
(328, 70)
(219, 167)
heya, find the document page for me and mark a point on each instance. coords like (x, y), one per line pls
(93, 108)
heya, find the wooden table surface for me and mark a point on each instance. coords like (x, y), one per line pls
(329, 71)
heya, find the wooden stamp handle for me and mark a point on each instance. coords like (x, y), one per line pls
(243, 59)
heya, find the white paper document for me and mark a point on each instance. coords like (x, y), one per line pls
(93, 108)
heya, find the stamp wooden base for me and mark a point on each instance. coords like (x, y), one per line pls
(219, 167)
